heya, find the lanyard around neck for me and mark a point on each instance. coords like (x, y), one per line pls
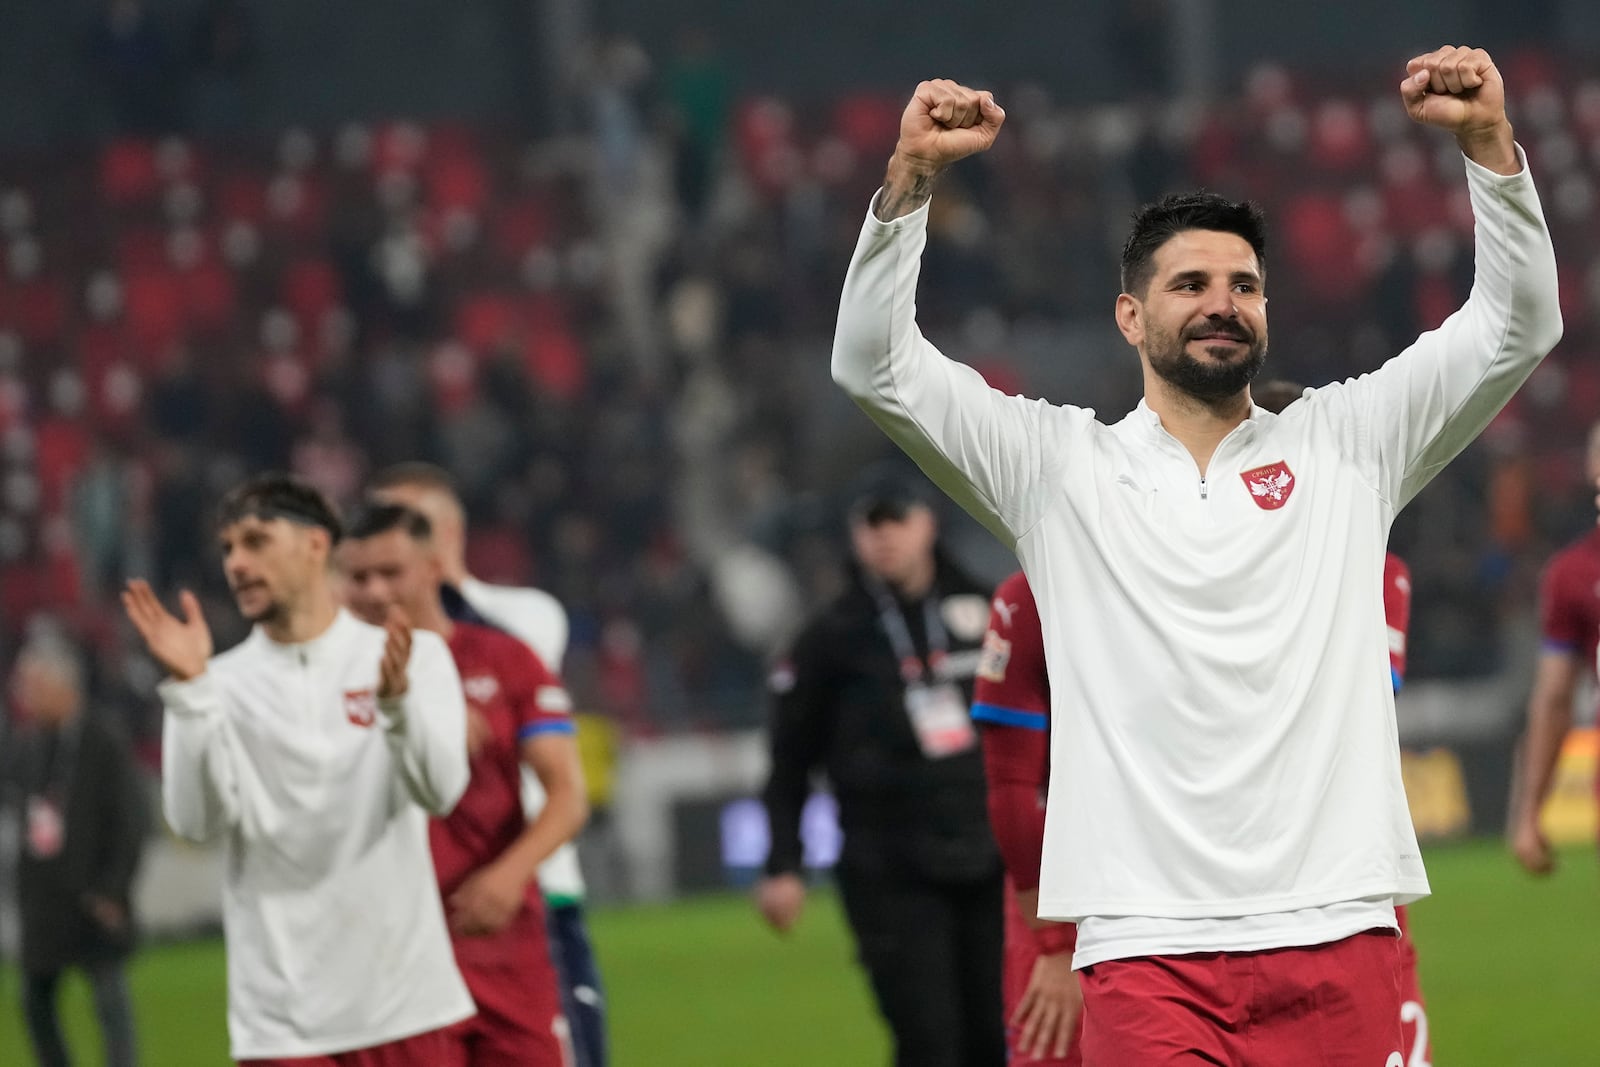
(891, 616)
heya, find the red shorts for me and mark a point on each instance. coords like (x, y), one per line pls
(513, 983)
(1021, 951)
(1415, 1042)
(423, 1050)
(1335, 1005)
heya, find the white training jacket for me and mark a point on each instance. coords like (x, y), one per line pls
(336, 937)
(538, 620)
(1223, 739)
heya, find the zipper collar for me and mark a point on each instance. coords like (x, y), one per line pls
(305, 651)
(1145, 417)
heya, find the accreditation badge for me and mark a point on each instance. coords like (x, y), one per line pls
(47, 830)
(940, 720)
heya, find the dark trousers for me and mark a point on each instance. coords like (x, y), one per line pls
(933, 953)
(112, 1006)
(583, 999)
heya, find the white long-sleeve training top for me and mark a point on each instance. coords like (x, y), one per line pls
(336, 936)
(538, 620)
(1223, 739)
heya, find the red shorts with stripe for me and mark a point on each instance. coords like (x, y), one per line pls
(1334, 1005)
(1021, 952)
(423, 1050)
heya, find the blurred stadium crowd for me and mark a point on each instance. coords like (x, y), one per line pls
(616, 337)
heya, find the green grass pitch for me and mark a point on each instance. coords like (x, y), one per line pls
(1511, 971)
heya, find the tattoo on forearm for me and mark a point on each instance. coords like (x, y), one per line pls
(902, 194)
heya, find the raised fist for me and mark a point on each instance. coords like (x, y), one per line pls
(1456, 89)
(945, 122)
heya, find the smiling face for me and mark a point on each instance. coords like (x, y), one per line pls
(1201, 323)
(271, 564)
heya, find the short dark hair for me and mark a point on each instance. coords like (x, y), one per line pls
(375, 519)
(1276, 394)
(276, 495)
(1155, 224)
(413, 472)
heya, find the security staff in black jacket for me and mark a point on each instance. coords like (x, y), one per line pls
(71, 781)
(875, 693)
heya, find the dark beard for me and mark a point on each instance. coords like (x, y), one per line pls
(1170, 359)
(273, 612)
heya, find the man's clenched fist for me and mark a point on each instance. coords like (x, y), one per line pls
(943, 122)
(1459, 90)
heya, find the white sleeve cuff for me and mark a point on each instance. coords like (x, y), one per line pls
(917, 218)
(195, 697)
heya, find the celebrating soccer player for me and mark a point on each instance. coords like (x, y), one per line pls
(316, 749)
(1226, 820)
(486, 852)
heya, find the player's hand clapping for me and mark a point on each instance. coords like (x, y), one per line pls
(181, 646)
(392, 678)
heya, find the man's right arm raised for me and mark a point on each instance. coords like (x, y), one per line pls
(984, 448)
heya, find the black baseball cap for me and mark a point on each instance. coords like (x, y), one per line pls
(884, 494)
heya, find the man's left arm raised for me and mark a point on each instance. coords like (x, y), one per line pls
(1428, 403)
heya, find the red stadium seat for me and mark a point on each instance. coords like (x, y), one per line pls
(1317, 237)
(868, 121)
(61, 447)
(100, 344)
(518, 226)
(399, 146)
(128, 172)
(142, 247)
(457, 182)
(555, 362)
(1340, 141)
(153, 303)
(242, 196)
(36, 309)
(487, 321)
(210, 297)
(311, 288)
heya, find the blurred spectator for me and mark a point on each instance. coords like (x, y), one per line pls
(699, 88)
(72, 782)
(108, 520)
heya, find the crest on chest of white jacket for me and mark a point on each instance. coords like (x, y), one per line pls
(1269, 486)
(361, 706)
